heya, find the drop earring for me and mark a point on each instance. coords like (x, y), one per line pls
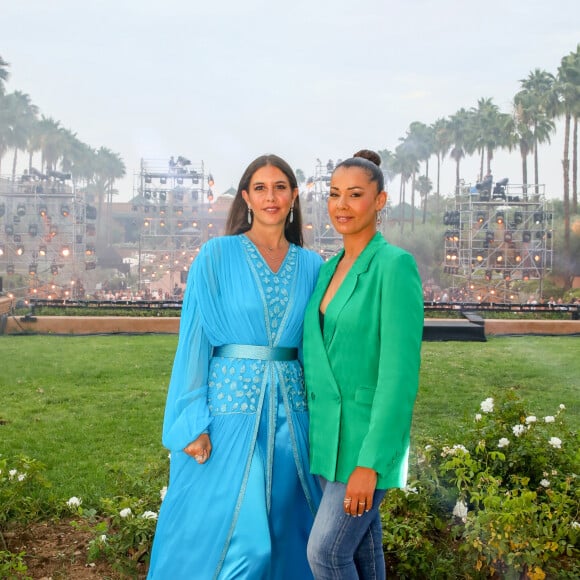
(379, 218)
(291, 219)
(249, 215)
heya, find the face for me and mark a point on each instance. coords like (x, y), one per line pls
(353, 201)
(269, 196)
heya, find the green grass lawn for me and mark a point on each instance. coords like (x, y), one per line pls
(83, 404)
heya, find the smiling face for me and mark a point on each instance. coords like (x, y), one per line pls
(269, 196)
(354, 201)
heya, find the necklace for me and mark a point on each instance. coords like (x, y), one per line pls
(270, 249)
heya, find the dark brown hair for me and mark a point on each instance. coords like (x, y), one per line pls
(370, 161)
(237, 222)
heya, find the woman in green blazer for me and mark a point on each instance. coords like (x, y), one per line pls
(362, 342)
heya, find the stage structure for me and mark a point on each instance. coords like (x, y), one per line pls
(496, 237)
(47, 233)
(174, 201)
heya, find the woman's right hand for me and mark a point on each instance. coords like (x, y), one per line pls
(200, 449)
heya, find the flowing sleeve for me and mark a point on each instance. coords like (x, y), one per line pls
(186, 411)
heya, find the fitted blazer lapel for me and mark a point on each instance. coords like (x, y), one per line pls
(348, 285)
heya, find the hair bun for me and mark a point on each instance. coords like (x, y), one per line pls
(369, 155)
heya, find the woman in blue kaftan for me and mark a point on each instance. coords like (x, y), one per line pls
(246, 511)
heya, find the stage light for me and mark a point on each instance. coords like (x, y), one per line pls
(64, 210)
(54, 269)
(489, 236)
(507, 237)
(479, 257)
(89, 250)
(500, 217)
(162, 210)
(499, 259)
(210, 196)
(32, 269)
(178, 210)
(42, 210)
(537, 259)
(91, 212)
(1, 249)
(526, 237)
(538, 218)
(518, 217)
(518, 258)
(162, 223)
(481, 217)
(507, 276)
(20, 210)
(163, 180)
(525, 275)
(146, 222)
(9, 230)
(33, 230)
(90, 265)
(42, 250)
(488, 274)
(53, 231)
(10, 269)
(148, 179)
(180, 180)
(210, 180)
(65, 251)
(19, 250)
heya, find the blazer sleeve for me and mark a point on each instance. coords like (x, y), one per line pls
(400, 336)
(186, 411)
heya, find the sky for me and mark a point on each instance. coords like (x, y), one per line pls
(223, 81)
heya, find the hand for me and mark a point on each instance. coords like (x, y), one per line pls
(200, 449)
(360, 490)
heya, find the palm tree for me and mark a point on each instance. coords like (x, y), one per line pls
(4, 74)
(460, 130)
(522, 136)
(489, 126)
(568, 87)
(441, 146)
(108, 167)
(424, 187)
(538, 98)
(405, 164)
(22, 114)
(52, 142)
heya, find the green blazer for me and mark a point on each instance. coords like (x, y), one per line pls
(362, 373)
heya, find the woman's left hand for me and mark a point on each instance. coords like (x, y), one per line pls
(360, 490)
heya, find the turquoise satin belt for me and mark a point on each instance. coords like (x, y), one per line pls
(281, 353)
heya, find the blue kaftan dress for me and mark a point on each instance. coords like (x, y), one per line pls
(246, 512)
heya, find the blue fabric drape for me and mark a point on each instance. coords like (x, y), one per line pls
(246, 512)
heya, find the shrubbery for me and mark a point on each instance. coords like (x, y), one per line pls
(501, 500)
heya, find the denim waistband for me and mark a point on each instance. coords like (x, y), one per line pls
(281, 353)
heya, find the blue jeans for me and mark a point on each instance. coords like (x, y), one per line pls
(344, 547)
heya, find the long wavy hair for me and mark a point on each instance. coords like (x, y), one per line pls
(237, 222)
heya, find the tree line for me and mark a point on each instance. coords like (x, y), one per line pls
(23, 129)
(482, 130)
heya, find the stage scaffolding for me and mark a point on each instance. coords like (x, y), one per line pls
(174, 201)
(496, 239)
(47, 234)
